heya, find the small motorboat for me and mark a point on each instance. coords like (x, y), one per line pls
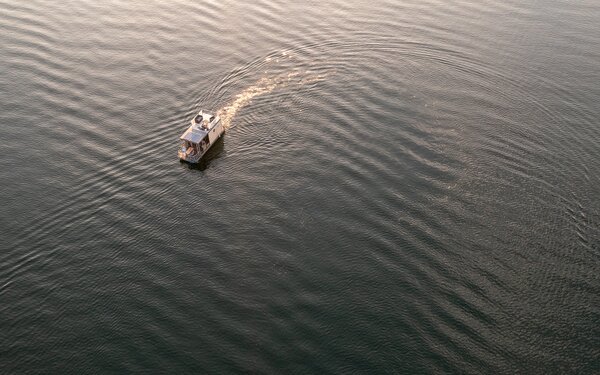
(204, 131)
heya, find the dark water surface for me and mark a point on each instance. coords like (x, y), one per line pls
(405, 187)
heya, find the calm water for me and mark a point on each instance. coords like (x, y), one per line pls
(405, 187)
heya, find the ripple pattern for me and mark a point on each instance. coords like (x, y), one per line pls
(404, 187)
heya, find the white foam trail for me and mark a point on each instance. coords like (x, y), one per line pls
(263, 86)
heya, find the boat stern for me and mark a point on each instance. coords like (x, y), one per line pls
(190, 154)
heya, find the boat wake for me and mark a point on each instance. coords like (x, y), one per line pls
(266, 85)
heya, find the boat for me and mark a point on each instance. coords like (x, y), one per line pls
(204, 131)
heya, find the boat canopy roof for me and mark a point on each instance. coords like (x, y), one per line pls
(193, 135)
(202, 123)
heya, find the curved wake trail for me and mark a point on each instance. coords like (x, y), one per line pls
(263, 86)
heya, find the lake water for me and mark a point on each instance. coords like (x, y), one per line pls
(404, 187)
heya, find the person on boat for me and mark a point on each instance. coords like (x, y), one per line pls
(190, 150)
